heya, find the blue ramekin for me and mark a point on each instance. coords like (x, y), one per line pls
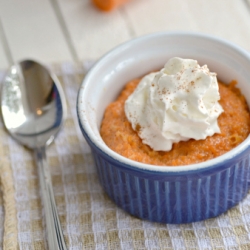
(180, 194)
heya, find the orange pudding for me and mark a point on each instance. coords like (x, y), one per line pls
(234, 124)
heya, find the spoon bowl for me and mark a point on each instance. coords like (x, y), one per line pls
(33, 109)
(33, 104)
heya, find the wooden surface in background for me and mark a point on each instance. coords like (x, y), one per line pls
(54, 31)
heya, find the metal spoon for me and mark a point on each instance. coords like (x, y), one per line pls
(33, 109)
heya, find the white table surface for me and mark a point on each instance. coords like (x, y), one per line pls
(55, 31)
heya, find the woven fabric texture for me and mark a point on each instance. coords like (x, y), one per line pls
(90, 220)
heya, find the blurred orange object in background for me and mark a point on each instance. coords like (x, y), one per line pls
(108, 5)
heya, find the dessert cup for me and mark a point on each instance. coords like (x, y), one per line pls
(165, 194)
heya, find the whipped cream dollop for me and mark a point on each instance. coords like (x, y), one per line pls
(177, 103)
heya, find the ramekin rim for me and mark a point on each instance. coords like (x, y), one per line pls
(143, 166)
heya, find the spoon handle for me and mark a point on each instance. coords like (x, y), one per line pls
(54, 231)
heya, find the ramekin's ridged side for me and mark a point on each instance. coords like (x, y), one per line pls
(174, 199)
